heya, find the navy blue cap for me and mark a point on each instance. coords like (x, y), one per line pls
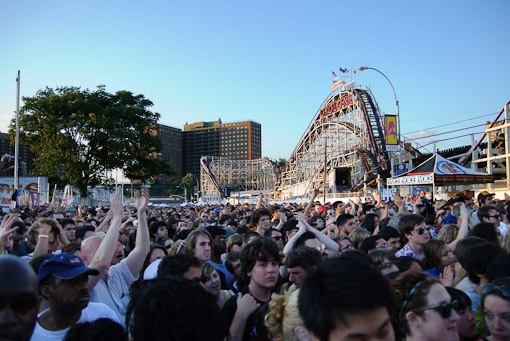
(65, 266)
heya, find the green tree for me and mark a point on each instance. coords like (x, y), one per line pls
(79, 135)
(281, 162)
(189, 181)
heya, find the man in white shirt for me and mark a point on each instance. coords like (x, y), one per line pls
(63, 281)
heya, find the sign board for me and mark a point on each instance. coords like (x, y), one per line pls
(412, 180)
(390, 133)
(336, 85)
(401, 168)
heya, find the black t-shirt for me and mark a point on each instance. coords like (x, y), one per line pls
(255, 328)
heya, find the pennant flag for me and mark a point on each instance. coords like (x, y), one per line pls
(334, 74)
(353, 71)
(343, 70)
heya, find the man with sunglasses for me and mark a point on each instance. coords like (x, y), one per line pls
(18, 298)
(414, 229)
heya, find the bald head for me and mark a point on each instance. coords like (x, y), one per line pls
(89, 248)
(19, 290)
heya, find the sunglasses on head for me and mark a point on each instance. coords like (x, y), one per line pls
(502, 290)
(422, 230)
(444, 309)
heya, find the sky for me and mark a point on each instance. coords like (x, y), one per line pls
(268, 61)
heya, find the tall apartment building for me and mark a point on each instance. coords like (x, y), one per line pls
(237, 141)
(171, 139)
(26, 156)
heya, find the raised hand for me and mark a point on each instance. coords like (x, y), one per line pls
(142, 199)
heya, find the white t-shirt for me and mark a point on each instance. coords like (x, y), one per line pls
(94, 311)
(115, 292)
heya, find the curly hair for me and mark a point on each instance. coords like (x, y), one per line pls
(283, 317)
(33, 231)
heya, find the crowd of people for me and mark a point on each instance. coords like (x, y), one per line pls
(407, 268)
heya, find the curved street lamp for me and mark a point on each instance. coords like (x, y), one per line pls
(362, 68)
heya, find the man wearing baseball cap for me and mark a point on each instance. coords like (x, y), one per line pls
(484, 199)
(63, 281)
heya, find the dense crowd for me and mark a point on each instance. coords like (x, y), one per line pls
(409, 268)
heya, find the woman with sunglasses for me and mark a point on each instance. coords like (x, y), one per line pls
(496, 308)
(425, 311)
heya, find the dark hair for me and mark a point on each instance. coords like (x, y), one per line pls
(185, 311)
(153, 228)
(405, 262)
(343, 218)
(408, 222)
(369, 243)
(300, 241)
(177, 265)
(486, 231)
(388, 232)
(433, 250)
(255, 217)
(66, 221)
(464, 245)
(263, 249)
(499, 266)
(248, 235)
(460, 296)
(82, 230)
(478, 257)
(484, 212)
(232, 256)
(368, 222)
(101, 329)
(306, 257)
(411, 289)
(341, 287)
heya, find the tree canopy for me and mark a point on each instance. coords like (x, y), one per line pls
(79, 135)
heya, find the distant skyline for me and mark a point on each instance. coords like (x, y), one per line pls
(266, 61)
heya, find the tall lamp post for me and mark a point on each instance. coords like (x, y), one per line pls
(362, 68)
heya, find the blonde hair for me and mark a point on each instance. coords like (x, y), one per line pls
(33, 231)
(283, 317)
(448, 233)
(191, 240)
(357, 235)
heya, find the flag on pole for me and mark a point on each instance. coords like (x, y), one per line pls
(343, 70)
(334, 74)
(353, 71)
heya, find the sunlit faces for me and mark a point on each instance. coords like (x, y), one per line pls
(447, 256)
(118, 255)
(264, 274)
(350, 225)
(430, 324)
(394, 244)
(277, 237)
(53, 242)
(156, 254)
(213, 283)
(296, 275)
(264, 223)
(70, 231)
(203, 247)
(419, 235)
(162, 233)
(357, 328)
(497, 317)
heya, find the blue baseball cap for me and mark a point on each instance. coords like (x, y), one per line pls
(64, 266)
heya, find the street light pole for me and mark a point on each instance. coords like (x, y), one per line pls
(362, 68)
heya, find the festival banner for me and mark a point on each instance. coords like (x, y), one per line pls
(390, 132)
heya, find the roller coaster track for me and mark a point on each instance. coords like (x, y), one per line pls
(343, 148)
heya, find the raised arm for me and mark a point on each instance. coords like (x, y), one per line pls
(310, 203)
(332, 247)
(6, 229)
(104, 254)
(136, 257)
(463, 227)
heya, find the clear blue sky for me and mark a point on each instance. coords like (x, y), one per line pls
(267, 61)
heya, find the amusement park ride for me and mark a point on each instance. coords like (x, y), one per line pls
(345, 148)
(350, 146)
